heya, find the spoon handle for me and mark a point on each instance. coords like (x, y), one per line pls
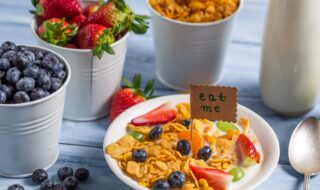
(306, 181)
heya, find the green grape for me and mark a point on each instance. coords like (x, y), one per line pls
(237, 173)
(137, 135)
(225, 126)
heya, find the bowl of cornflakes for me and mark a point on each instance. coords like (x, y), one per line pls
(191, 38)
(155, 145)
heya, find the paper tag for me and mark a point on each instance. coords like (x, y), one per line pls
(213, 103)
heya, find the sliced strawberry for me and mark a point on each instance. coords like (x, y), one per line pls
(56, 8)
(248, 154)
(162, 114)
(78, 20)
(57, 31)
(96, 37)
(217, 179)
(130, 95)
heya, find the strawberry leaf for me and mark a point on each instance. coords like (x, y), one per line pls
(35, 2)
(58, 34)
(139, 28)
(120, 4)
(104, 44)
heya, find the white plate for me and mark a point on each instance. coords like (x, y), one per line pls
(269, 142)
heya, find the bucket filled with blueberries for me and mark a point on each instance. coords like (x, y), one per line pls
(33, 83)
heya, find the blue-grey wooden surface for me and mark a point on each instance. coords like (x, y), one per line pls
(81, 143)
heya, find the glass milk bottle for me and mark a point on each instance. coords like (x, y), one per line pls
(290, 68)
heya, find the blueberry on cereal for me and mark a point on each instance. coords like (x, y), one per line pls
(155, 133)
(139, 155)
(176, 179)
(184, 147)
(161, 184)
(204, 153)
(186, 123)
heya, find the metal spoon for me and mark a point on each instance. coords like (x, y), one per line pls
(304, 149)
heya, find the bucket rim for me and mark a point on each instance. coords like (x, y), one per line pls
(63, 87)
(191, 24)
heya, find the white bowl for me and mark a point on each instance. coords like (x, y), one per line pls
(190, 53)
(269, 142)
(94, 81)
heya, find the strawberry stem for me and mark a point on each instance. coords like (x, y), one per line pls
(57, 33)
(104, 44)
(135, 84)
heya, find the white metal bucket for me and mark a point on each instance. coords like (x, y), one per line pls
(93, 81)
(29, 132)
(190, 53)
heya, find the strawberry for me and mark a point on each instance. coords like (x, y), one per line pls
(161, 115)
(96, 37)
(248, 154)
(130, 95)
(217, 179)
(118, 15)
(92, 8)
(78, 20)
(56, 8)
(57, 31)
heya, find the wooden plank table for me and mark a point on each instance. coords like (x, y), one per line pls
(81, 142)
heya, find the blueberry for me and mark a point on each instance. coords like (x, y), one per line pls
(34, 63)
(204, 153)
(44, 72)
(57, 67)
(37, 93)
(25, 84)
(39, 176)
(21, 48)
(47, 185)
(71, 183)
(1, 52)
(184, 147)
(21, 97)
(55, 84)
(6, 46)
(15, 187)
(29, 54)
(39, 54)
(58, 187)
(21, 61)
(13, 75)
(8, 89)
(139, 155)
(82, 174)
(2, 74)
(186, 123)
(47, 93)
(65, 172)
(161, 184)
(10, 55)
(3, 97)
(32, 71)
(4, 64)
(60, 75)
(155, 133)
(176, 179)
(44, 81)
(50, 61)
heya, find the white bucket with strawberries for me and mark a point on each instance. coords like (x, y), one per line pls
(91, 35)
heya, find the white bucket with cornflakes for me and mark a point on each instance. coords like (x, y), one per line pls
(190, 53)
